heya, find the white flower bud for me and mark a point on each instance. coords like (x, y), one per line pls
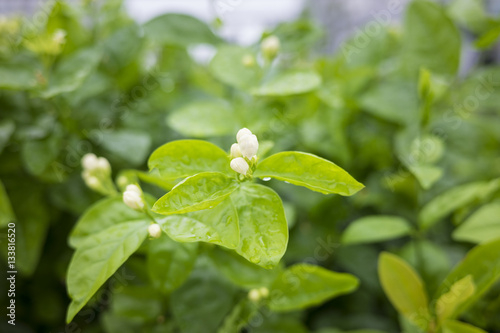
(241, 133)
(133, 188)
(249, 145)
(248, 60)
(89, 161)
(270, 47)
(133, 199)
(264, 292)
(59, 36)
(239, 165)
(254, 295)
(103, 164)
(122, 181)
(92, 182)
(235, 150)
(154, 230)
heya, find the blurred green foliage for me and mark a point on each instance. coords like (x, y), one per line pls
(390, 107)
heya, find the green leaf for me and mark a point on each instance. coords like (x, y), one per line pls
(98, 258)
(310, 171)
(179, 29)
(201, 191)
(17, 77)
(137, 303)
(392, 100)
(304, 285)
(102, 215)
(418, 152)
(218, 225)
(7, 127)
(448, 303)
(131, 176)
(6, 212)
(469, 13)
(184, 158)
(371, 229)
(200, 304)
(169, 263)
(72, 72)
(204, 119)
(482, 226)
(280, 325)
(427, 175)
(241, 314)
(38, 155)
(453, 199)
(482, 264)
(240, 271)
(122, 47)
(430, 259)
(488, 38)
(404, 288)
(430, 86)
(292, 83)
(439, 54)
(128, 145)
(453, 326)
(32, 220)
(263, 227)
(228, 66)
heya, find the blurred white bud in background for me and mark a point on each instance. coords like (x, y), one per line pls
(59, 36)
(154, 230)
(122, 181)
(89, 161)
(248, 60)
(264, 292)
(270, 47)
(254, 295)
(92, 181)
(103, 164)
(239, 165)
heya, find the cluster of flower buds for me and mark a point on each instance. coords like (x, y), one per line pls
(270, 47)
(154, 230)
(97, 173)
(133, 197)
(244, 153)
(255, 295)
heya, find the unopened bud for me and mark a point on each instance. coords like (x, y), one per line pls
(241, 133)
(154, 230)
(239, 165)
(249, 145)
(89, 161)
(270, 47)
(235, 150)
(264, 292)
(133, 188)
(132, 197)
(122, 181)
(248, 60)
(92, 182)
(254, 295)
(59, 36)
(103, 164)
